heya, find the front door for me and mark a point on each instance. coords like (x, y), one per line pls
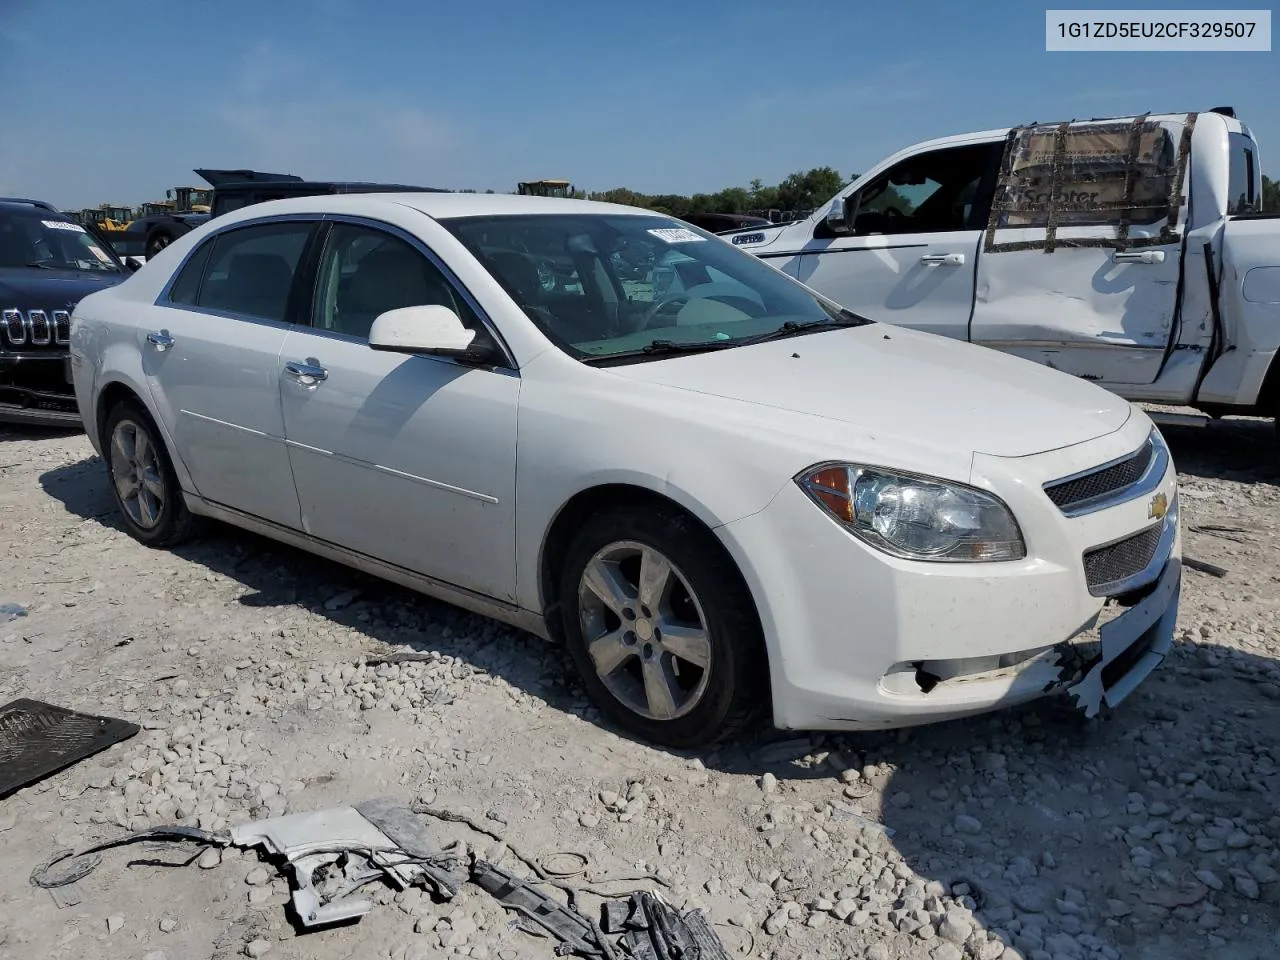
(1067, 293)
(211, 353)
(406, 458)
(911, 257)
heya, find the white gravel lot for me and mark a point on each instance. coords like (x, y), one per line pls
(1152, 834)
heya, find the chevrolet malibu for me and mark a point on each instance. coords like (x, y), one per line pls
(719, 492)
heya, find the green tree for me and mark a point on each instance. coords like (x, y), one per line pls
(1270, 195)
(731, 200)
(808, 189)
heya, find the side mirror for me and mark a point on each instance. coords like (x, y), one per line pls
(842, 213)
(426, 329)
(132, 265)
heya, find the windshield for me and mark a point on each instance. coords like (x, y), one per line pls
(38, 240)
(609, 286)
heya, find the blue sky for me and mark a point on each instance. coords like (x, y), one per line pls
(115, 101)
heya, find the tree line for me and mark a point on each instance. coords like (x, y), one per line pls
(801, 192)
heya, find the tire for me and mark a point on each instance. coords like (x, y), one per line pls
(156, 243)
(143, 481)
(702, 704)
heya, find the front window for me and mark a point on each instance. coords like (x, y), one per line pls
(611, 287)
(42, 241)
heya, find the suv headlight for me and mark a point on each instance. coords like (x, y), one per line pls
(913, 517)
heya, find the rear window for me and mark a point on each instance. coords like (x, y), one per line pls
(1244, 190)
(1104, 170)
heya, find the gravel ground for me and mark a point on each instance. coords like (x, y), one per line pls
(252, 669)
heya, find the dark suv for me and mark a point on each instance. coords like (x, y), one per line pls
(48, 262)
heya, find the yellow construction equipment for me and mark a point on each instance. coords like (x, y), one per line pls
(190, 199)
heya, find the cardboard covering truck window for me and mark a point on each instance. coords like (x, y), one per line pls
(1105, 172)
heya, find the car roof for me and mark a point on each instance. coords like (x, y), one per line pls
(23, 204)
(435, 205)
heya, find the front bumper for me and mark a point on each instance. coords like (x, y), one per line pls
(861, 640)
(36, 388)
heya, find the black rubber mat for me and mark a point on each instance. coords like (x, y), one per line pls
(37, 739)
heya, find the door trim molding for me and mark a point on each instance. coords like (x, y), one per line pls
(515, 616)
(370, 465)
(1067, 345)
(807, 253)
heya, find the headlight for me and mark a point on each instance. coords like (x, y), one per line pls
(916, 518)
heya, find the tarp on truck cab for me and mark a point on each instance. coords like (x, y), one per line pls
(1073, 174)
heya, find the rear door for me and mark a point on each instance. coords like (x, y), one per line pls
(1080, 267)
(211, 353)
(910, 258)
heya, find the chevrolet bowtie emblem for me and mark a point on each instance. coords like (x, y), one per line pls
(1158, 507)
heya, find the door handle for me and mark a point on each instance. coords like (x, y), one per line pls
(951, 259)
(1139, 256)
(160, 340)
(307, 372)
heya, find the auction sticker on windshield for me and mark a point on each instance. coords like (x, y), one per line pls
(63, 225)
(676, 235)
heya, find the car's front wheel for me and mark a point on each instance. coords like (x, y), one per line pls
(143, 480)
(661, 627)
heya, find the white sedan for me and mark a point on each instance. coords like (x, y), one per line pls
(722, 492)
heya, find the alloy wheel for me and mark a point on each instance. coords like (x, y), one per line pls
(135, 468)
(644, 630)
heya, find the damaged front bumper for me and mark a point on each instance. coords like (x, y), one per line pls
(1098, 667)
(858, 640)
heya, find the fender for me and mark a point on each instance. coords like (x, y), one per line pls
(119, 365)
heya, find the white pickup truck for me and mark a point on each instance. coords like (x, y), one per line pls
(1128, 251)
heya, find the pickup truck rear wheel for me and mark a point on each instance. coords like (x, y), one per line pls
(661, 627)
(143, 480)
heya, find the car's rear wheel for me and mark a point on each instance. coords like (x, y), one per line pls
(143, 480)
(662, 628)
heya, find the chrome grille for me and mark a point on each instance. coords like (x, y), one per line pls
(14, 324)
(37, 328)
(1076, 493)
(1106, 567)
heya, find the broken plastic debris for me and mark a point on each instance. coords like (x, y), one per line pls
(655, 931)
(568, 926)
(11, 611)
(332, 854)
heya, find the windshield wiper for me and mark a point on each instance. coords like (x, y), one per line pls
(658, 348)
(792, 327)
(691, 346)
(42, 264)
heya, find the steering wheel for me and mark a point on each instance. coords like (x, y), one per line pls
(722, 292)
(659, 306)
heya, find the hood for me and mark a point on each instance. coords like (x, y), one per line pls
(30, 288)
(895, 382)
